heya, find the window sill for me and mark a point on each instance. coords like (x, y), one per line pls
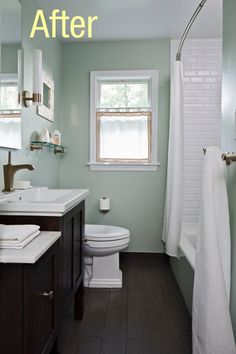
(120, 167)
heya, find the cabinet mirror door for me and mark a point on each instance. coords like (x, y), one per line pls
(10, 74)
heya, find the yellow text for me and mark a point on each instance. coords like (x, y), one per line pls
(76, 27)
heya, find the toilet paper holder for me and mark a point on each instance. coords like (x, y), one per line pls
(104, 205)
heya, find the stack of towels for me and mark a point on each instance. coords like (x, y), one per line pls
(17, 236)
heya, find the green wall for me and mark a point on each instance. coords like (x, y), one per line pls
(46, 173)
(228, 131)
(137, 198)
(9, 58)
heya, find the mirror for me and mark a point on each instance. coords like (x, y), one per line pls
(10, 74)
(46, 95)
(46, 110)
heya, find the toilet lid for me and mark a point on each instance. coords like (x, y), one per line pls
(105, 232)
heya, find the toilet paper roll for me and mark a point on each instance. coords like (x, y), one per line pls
(104, 204)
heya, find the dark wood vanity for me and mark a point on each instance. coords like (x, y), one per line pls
(29, 294)
(35, 297)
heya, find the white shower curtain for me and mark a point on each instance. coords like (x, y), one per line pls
(175, 169)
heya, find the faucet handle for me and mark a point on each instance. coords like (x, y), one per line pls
(9, 157)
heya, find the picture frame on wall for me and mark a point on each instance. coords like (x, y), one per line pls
(46, 109)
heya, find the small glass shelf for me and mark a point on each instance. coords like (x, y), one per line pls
(39, 145)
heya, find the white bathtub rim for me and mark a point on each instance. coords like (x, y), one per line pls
(188, 242)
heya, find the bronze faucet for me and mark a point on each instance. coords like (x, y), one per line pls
(9, 171)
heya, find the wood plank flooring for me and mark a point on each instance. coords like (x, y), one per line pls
(147, 316)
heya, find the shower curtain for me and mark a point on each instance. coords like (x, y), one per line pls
(175, 169)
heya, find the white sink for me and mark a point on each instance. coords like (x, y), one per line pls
(43, 201)
(37, 195)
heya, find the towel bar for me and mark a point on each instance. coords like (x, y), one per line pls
(228, 157)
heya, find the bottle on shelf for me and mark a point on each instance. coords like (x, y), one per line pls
(56, 137)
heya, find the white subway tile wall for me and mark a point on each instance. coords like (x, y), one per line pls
(202, 63)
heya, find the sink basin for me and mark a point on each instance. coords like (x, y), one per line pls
(35, 195)
(35, 201)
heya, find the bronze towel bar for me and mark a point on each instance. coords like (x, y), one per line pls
(228, 157)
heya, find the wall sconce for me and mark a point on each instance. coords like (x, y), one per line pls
(36, 98)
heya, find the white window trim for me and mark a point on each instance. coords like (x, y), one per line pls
(95, 77)
(9, 78)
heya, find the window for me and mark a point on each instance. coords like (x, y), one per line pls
(10, 111)
(123, 120)
(9, 105)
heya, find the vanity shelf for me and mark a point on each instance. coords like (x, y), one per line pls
(40, 145)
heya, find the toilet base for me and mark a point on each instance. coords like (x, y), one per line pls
(103, 272)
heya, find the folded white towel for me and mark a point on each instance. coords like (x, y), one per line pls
(16, 233)
(15, 242)
(18, 246)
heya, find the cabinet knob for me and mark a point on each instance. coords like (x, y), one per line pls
(47, 294)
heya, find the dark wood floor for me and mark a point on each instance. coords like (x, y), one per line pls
(147, 316)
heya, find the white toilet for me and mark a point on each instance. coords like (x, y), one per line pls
(102, 244)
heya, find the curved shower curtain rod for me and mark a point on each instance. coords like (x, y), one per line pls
(200, 6)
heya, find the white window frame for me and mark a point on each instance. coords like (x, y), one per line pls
(95, 78)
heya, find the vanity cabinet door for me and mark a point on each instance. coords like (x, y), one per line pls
(40, 304)
(67, 286)
(78, 231)
(11, 308)
(72, 260)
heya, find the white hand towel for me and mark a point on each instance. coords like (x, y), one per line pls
(212, 327)
(16, 242)
(16, 233)
(19, 245)
(175, 172)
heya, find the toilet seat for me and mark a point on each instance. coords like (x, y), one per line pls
(105, 233)
(104, 244)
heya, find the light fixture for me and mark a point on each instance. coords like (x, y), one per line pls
(36, 98)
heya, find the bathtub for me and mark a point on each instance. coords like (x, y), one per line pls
(188, 242)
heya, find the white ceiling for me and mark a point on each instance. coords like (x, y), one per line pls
(143, 19)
